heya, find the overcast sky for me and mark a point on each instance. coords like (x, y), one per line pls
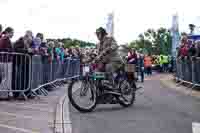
(79, 18)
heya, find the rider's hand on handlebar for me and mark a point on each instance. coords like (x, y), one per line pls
(98, 58)
(94, 61)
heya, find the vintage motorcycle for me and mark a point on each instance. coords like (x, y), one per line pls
(101, 89)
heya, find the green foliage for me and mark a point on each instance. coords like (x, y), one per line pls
(68, 42)
(153, 41)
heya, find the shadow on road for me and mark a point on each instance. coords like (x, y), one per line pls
(108, 108)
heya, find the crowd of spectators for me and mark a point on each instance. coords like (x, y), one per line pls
(147, 62)
(37, 45)
(188, 48)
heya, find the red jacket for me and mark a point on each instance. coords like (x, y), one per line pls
(184, 51)
(132, 58)
(5, 43)
(5, 46)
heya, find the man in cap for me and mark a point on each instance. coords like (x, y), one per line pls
(108, 57)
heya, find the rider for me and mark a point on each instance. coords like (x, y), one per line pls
(108, 57)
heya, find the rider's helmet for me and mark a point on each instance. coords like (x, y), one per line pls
(101, 30)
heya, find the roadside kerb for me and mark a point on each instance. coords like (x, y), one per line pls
(169, 82)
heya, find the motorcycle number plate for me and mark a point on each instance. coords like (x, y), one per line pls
(86, 69)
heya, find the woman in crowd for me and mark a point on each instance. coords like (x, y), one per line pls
(132, 60)
(184, 47)
(132, 57)
(148, 64)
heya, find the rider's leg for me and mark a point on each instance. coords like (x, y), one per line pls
(109, 70)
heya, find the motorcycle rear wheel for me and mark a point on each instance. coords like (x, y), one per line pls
(126, 87)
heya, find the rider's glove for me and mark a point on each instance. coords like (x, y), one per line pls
(98, 58)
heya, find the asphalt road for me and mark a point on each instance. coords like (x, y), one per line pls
(158, 110)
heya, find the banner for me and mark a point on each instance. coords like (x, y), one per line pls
(110, 24)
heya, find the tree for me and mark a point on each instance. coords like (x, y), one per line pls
(68, 42)
(154, 41)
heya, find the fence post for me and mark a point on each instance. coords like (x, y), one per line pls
(193, 70)
(197, 70)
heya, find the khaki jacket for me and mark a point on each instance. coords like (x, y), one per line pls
(107, 50)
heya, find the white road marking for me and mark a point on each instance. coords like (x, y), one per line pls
(58, 120)
(195, 127)
(17, 129)
(66, 117)
(65, 113)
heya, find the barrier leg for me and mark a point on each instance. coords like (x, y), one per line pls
(44, 91)
(24, 96)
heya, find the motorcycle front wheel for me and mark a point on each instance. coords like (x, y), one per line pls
(81, 88)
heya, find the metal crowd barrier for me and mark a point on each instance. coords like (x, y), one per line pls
(15, 73)
(31, 75)
(188, 71)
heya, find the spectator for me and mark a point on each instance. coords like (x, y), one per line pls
(161, 63)
(192, 50)
(148, 64)
(24, 43)
(78, 54)
(43, 48)
(184, 47)
(40, 35)
(70, 52)
(29, 33)
(132, 60)
(132, 57)
(74, 53)
(55, 53)
(62, 52)
(66, 53)
(165, 63)
(50, 50)
(59, 51)
(21, 63)
(36, 44)
(6, 60)
(5, 42)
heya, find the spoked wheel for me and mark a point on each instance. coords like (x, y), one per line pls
(82, 95)
(127, 91)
